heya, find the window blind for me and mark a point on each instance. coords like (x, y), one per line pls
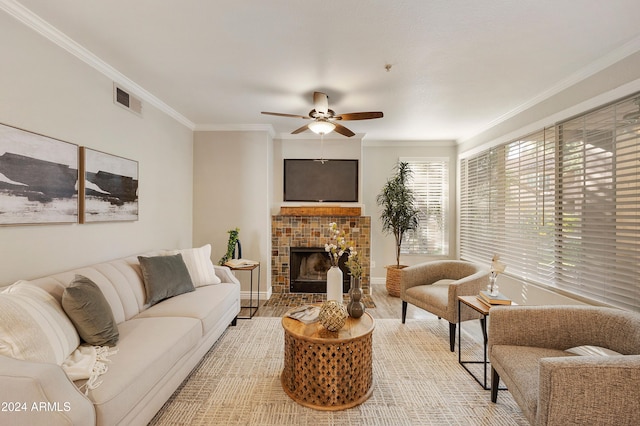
(506, 206)
(430, 185)
(561, 206)
(597, 210)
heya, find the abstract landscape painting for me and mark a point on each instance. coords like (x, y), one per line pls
(38, 178)
(110, 187)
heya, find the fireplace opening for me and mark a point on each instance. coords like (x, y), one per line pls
(308, 268)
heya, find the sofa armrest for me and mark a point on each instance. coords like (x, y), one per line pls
(40, 393)
(589, 390)
(225, 274)
(469, 286)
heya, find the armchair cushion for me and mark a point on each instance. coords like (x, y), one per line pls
(434, 294)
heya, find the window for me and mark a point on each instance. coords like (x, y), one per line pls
(430, 185)
(562, 206)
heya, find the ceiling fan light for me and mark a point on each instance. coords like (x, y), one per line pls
(321, 127)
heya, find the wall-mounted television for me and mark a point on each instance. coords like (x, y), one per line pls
(320, 180)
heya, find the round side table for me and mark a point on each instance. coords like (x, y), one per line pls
(328, 370)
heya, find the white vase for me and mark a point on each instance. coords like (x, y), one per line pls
(334, 284)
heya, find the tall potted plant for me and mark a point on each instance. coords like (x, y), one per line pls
(399, 215)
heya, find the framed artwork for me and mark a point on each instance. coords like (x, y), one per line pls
(38, 178)
(109, 186)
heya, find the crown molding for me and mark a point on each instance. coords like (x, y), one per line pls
(409, 143)
(627, 49)
(52, 34)
(236, 128)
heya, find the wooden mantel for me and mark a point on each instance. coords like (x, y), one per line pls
(320, 211)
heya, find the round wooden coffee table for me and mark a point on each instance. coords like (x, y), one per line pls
(328, 370)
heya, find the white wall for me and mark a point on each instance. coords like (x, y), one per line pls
(232, 189)
(379, 160)
(46, 90)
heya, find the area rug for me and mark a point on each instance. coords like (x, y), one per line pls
(417, 381)
(298, 299)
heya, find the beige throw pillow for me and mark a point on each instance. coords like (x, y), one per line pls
(198, 261)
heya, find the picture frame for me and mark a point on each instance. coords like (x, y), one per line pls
(109, 187)
(38, 178)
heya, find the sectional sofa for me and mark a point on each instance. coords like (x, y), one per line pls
(158, 343)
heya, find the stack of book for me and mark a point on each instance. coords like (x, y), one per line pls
(240, 263)
(498, 299)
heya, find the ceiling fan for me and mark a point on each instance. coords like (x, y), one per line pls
(324, 119)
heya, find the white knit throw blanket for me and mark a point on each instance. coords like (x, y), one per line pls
(88, 362)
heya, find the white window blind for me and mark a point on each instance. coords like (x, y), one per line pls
(430, 185)
(561, 206)
(598, 244)
(507, 206)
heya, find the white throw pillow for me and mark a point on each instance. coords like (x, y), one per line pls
(33, 326)
(588, 350)
(199, 265)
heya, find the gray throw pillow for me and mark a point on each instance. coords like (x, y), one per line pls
(90, 313)
(164, 277)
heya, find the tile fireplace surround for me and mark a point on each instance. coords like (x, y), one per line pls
(309, 227)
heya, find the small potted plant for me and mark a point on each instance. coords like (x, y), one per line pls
(399, 215)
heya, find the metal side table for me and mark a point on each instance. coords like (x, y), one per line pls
(483, 309)
(252, 308)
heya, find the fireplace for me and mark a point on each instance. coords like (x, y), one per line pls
(307, 227)
(308, 270)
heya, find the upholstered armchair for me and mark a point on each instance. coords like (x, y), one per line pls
(528, 351)
(435, 287)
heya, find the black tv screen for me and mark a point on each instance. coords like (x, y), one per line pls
(320, 180)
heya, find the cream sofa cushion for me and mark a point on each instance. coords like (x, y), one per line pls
(147, 350)
(206, 304)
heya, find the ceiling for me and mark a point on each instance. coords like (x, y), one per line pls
(457, 66)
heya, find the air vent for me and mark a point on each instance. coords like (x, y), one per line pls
(126, 100)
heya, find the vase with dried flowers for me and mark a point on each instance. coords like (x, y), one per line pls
(355, 307)
(336, 247)
(497, 268)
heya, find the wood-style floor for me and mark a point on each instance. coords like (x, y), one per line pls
(386, 307)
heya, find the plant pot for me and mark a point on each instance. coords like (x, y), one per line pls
(394, 272)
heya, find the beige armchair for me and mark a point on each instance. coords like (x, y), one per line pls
(527, 347)
(435, 287)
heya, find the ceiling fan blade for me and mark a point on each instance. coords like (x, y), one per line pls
(300, 130)
(343, 130)
(320, 102)
(359, 116)
(279, 114)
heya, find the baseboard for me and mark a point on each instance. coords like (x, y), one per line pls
(264, 295)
